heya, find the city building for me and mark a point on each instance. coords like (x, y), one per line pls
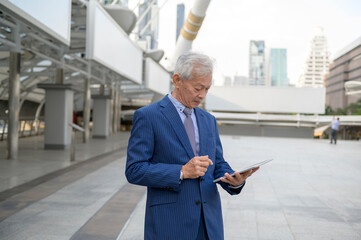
(227, 81)
(257, 71)
(278, 67)
(317, 63)
(180, 19)
(240, 81)
(346, 67)
(148, 27)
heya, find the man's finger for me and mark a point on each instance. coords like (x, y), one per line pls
(203, 164)
(202, 168)
(206, 159)
(234, 180)
(253, 171)
(228, 176)
(237, 175)
(226, 180)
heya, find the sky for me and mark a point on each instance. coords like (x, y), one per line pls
(229, 26)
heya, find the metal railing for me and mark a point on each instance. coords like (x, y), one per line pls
(74, 128)
(27, 127)
(297, 120)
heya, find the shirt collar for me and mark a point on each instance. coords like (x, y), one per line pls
(177, 104)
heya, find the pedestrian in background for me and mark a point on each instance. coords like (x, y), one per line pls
(334, 128)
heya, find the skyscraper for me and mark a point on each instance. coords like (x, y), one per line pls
(317, 63)
(278, 67)
(180, 19)
(257, 72)
(227, 81)
(148, 27)
(345, 67)
(240, 81)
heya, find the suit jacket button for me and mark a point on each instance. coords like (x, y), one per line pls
(198, 202)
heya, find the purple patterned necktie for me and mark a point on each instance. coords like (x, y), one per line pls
(188, 124)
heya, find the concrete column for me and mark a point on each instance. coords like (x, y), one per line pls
(59, 76)
(37, 114)
(114, 103)
(101, 116)
(111, 119)
(115, 109)
(14, 105)
(86, 110)
(58, 115)
(119, 109)
(102, 89)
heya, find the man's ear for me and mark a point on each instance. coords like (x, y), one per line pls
(176, 80)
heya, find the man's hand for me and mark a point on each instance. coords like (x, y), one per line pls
(196, 167)
(238, 179)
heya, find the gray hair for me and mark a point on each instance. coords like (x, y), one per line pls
(193, 62)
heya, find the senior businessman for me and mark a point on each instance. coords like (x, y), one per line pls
(175, 151)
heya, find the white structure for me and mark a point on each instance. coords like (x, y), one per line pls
(316, 66)
(118, 52)
(353, 88)
(266, 99)
(156, 77)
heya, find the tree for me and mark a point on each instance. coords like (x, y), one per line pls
(329, 111)
(352, 109)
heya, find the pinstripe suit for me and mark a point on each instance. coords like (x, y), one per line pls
(157, 149)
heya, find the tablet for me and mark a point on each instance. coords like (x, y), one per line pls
(247, 168)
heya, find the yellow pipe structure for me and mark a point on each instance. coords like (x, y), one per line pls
(190, 29)
(191, 26)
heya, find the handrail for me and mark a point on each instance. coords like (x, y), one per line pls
(77, 127)
(73, 139)
(28, 126)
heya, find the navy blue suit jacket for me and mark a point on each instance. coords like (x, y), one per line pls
(157, 149)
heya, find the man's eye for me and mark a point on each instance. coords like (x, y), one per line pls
(197, 89)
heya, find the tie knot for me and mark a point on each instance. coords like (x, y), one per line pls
(187, 111)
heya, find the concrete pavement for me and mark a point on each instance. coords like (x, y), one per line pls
(310, 191)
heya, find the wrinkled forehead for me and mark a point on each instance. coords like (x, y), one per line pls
(201, 80)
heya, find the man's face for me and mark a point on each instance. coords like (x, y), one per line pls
(191, 92)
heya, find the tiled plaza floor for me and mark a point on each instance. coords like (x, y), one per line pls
(310, 191)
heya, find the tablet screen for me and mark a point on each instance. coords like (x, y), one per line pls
(248, 168)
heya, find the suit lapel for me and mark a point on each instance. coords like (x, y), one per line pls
(170, 112)
(202, 130)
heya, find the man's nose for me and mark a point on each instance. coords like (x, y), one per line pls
(202, 93)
